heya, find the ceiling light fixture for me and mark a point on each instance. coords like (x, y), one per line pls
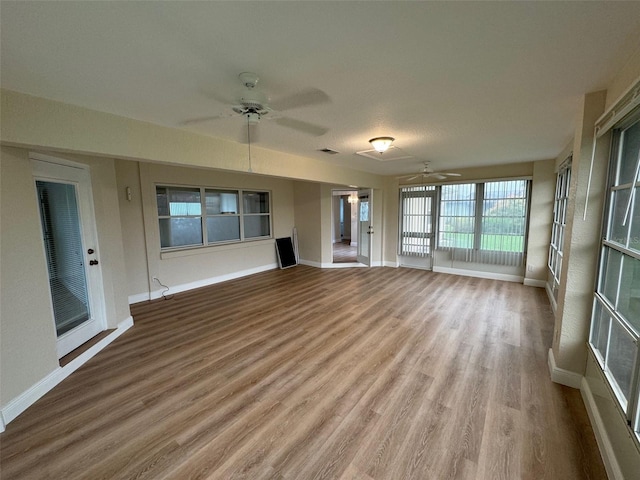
(381, 144)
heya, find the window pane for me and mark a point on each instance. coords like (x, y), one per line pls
(163, 201)
(457, 216)
(256, 202)
(221, 202)
(634, 238)
(184, 201)
(256, 226)
(629, 157)
(618, 232)
(629, 301)
(503, 216)
(622, 354)
(611, 263)
(600, 330)
(223, 228)
(177, 232)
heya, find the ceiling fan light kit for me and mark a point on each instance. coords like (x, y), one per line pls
(381, 144)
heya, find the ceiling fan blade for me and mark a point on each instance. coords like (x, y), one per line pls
(413, 177)
(193, 121)
(252, 134)
(299, 125)
(303, 98)
(451, 174)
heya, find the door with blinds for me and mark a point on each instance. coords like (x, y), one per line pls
(71, 252)
(417, 226)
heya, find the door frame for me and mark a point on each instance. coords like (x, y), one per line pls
(54, 169)
(365, 238)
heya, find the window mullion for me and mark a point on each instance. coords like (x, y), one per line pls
(478, 213)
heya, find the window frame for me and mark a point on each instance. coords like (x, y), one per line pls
(204, 215)
(629, 407)
(478, 216)
(558, 227)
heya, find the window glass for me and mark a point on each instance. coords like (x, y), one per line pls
(256, 202)
(192, 216)
(611, 262)
(629, 299)
(600, 329)
(256, 226)
(618, 231)
(629, 154)
(621, 358)
(634, 236)
(180, 232)
(223, 228)
(220, 202)
(504, 212)
(457, 216)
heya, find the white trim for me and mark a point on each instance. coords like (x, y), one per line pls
(562, 376)
(23, 401)
(532, 282)
(2, 424)
(139, 297)
(311, 263)
(607, 451)
(479, 274)
(392, 264)
(211, 281)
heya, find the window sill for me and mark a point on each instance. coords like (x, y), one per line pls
(203, 250)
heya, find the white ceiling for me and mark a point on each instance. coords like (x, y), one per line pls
(457, 83)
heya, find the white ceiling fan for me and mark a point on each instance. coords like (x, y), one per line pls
(254, 105)
(428, 173)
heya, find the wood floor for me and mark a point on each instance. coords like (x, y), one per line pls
(315, 374)
(344, 252)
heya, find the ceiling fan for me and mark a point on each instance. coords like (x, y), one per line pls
(427, 172)
(254, 105)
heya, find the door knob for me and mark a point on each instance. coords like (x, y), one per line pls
(93, 262)
(90, 251)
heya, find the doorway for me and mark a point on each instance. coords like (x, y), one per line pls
(69, 239)
(344, 226)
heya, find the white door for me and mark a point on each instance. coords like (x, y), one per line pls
(71, 250)
(365, 229)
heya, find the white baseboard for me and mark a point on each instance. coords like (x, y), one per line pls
(391, 264)
(311, 263)
(562, 376)
(604, 444)
(23, 401)
(531, 282)
(209, 281)
(139, 297)
(479, 274)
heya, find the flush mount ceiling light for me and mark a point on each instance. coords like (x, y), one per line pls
(381, 144)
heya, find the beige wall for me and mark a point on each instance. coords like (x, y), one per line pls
(26, 318)
(543, 187)
(307, 210)
(580, 254)
(33, 121)
(184, 269)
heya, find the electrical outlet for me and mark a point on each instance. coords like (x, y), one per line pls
(155, 279)
(529, 268)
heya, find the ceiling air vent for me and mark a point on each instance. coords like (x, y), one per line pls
(329, 151)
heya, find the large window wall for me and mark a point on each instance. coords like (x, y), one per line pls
(615, 328)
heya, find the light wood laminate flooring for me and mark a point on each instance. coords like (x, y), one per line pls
(317, 374)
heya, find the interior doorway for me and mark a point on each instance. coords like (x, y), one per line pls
(345, 226)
